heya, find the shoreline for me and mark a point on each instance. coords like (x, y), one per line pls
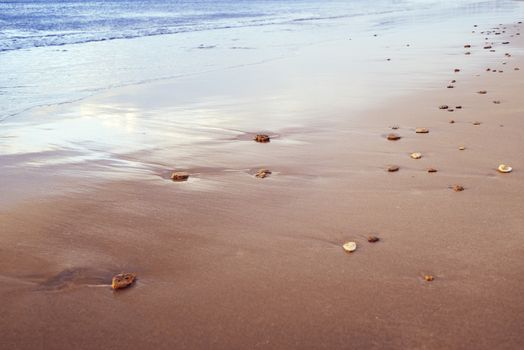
(226, 260)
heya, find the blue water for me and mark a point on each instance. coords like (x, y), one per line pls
(26, 24)
(58, 51)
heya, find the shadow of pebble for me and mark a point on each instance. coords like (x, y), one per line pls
(76, 277)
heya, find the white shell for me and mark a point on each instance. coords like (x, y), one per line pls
(503, 168)
(350, 246)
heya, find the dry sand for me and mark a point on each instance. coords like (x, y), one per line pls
(229, 261)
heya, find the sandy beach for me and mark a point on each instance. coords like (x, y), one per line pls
(227, 260)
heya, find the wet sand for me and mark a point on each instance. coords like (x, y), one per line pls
(229, 261)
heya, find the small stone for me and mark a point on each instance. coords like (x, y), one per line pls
(450, 86)
(179, 176)
(453, 81)
(452, 121)
(428, 278)
(395, 127)
(482, 92)
(487, 47)
(443, 107)
(467, 53)
(451, 110)
(488, 69)
(457, 70)
(505, 43)
(394, 137)
(458, 188)
(517, 68)
(350, 247)
(432, 170)
(263, 173)
(458, 107)
(462, 148)
(503, 168)
(477, 123)
(467, 46)
(373, 239)
(416, 155)
(123, 280)
(496, 102)
(393, 168)
(262, 138)
(422, 130)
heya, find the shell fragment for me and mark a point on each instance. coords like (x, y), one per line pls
(349, 247)
(503, 168)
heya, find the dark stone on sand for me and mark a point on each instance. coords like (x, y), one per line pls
(453, 81)
(443, 107)
(457, 70)
(467, 46)
(123, 280)
(467, 53)
(450, 86)
(458, 188)
(428, 278)
(263, 173)
(393, 168)
(262, 138)
(179, 176)
(477, 123)
(505, 42)
(482, 92)
(452, 121)
(487, 47)
(432, 170)
(393, 137)
(517, 68)
(450, 110)
(458, 107)
(496, 102)
(373, 239)
(488, 69)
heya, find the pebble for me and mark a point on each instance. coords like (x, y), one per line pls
(123, 280)
(432, 170)
(373, 239)
(428, 278)
(179, 176)
(394, 137)
(422, 130)
(503, 168)
(393, 168)
(462, 148)
(482, 92)
(262, 138)
(443, 107)
(458, 188)
(263, 173)
(416, 155)
(350, 247)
